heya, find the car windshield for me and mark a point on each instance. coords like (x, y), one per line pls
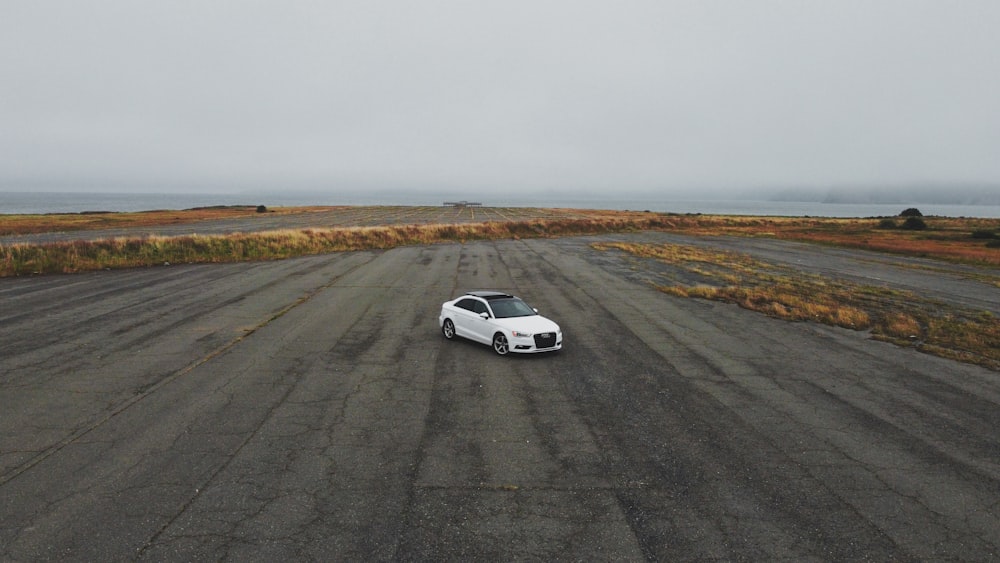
(506, 308)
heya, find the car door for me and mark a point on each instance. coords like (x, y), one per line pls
(482, 328)
(465, 318)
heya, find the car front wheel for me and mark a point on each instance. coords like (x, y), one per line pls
(448, 328)
(500, 344)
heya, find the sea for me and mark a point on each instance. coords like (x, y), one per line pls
(21, 203)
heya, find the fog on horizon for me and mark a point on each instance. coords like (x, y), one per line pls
(555, 97)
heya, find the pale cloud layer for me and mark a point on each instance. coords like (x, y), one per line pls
(518, 95)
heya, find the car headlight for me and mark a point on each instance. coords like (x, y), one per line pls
(521, 334)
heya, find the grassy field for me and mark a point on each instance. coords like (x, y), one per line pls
(317, 216)
(30, 224)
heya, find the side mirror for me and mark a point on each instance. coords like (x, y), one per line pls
(535, 310)
(484, 315)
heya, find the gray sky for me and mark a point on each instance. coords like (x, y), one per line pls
(517, 95)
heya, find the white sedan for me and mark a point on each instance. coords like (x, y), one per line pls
(501, 320)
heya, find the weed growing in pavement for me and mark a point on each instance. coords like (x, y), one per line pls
(895, 316)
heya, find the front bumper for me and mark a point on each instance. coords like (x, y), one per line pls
(535, 344)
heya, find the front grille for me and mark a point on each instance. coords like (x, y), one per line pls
(545, 340)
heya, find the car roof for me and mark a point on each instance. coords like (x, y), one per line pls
(489, 294)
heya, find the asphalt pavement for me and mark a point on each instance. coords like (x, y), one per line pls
(310, 409)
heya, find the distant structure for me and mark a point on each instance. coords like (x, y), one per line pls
(463, 203)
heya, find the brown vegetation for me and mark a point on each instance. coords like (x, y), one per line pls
(945, 238)
(49, 222)
(343, 216)
(967, 240)
(891, 315)
(67, 257)
(962, 240)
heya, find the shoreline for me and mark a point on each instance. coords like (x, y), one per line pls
(16, 203)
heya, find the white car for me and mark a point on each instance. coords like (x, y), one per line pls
(501, 320)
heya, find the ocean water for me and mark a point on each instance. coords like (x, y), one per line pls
(78, 202)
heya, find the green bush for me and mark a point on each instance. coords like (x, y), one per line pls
(887, 224)
(984, 234)
(914, 224)
(911, 212)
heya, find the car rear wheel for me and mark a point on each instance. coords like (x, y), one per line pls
(448, 328)
(500, 344)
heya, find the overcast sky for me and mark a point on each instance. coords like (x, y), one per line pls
(516, 95)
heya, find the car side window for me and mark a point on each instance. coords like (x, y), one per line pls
(480, 307)
(468, 304)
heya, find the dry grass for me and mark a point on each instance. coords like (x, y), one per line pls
(945, 238)
(755, 285)
(352, 216)
(76, 256)
(896, 316)
(51, 222)
(900, 325)
(953, 239)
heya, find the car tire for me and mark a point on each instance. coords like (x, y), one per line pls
(500, 344)
(448, 329)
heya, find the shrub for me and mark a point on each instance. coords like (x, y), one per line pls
(261, 209)
(911, 212)
(914, 224)
(984, 234)
(887, 224)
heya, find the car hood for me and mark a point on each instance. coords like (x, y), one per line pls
(533, 324)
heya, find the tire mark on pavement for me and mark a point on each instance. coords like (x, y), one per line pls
(337, 450)
(866, 416)
(14, 472)
(506, 469)
(689, 473)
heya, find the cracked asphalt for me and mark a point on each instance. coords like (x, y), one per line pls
(310, 409)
